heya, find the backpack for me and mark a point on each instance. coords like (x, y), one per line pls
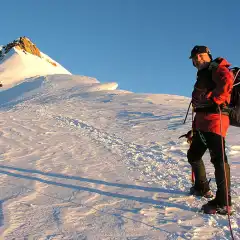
(233, 108)
(234, 105)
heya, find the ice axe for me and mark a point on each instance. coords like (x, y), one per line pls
(187, 112)
(189, 135)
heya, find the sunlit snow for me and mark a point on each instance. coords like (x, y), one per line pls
(81, 159)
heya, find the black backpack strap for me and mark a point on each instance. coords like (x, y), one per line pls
(213, 65)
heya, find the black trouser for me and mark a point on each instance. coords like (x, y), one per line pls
(213, 142)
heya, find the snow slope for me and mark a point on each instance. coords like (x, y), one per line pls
(18, 65)
(82, 160)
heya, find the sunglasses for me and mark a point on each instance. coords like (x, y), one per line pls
(199, 55)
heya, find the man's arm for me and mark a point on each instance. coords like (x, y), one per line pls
(224, 84)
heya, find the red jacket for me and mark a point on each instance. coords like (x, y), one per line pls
(213, 87)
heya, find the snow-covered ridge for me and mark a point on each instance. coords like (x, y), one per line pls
(80, 160)
(21, 61)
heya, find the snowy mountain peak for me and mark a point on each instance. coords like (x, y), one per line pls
(21, 59)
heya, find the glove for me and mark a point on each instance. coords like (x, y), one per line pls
(188, 135)
(202, 100)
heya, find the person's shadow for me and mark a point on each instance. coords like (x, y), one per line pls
(1, 208)
(159, 203)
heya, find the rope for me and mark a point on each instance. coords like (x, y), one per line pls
(225, 176)
(236, 78)
(193, 176)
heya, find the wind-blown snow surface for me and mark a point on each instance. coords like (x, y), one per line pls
(81, 162)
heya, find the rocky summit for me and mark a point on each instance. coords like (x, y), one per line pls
(24, 44)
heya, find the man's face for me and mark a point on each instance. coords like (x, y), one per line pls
(201, 60)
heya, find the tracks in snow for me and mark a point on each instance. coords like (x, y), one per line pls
(149, 160)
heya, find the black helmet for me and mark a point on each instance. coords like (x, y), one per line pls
(200, 49)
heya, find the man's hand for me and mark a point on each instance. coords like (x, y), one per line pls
(188, 135)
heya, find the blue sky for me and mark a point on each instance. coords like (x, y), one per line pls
(143, 45)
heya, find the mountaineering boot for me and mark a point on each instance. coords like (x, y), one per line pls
(213, 207)
(199, 193)
(201, 189)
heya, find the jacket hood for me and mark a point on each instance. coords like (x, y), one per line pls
(220, 62)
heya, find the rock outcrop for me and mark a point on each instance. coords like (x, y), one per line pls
(24, 44)
(21, 43)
